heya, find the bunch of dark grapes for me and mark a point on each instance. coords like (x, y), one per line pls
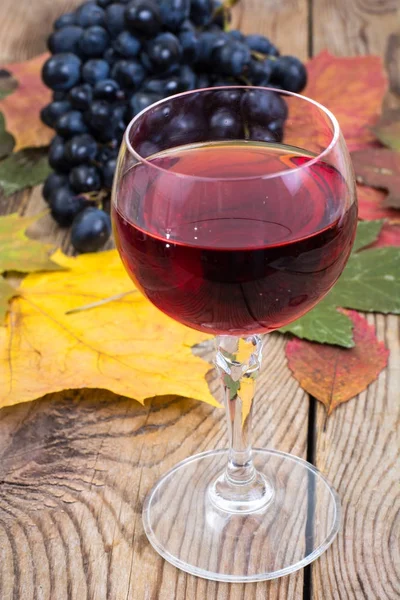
(110, 60)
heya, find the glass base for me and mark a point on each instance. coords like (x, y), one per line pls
(190, 530)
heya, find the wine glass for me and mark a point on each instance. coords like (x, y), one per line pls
(234, 212)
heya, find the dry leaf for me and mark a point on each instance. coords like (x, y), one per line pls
(353, 89)
(379, 168)
(370, 205)
(17, 251)
(126, 346)
(21, 108)
(387, 129)
(334, 375)
(388, 236)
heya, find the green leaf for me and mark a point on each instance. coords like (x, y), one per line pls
(387, 130)
(23, 169)
(367, 233)
(370, 282)
(323, 324)
(20, 253)
(6, 139)
(6, 293)
(7, 83)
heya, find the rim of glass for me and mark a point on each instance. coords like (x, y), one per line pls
(325, 151)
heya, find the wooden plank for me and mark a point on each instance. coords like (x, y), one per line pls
(356, 447)
(347, 28)
(285, 22)
(76, 466)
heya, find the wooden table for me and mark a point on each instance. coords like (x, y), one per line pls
(76, 466)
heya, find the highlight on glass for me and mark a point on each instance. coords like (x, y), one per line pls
(234, 212)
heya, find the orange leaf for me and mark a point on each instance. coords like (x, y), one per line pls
(353, 89)
(370, 205)
(334, 375)
(21, 108)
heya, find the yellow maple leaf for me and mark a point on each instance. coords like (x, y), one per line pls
(126, 346)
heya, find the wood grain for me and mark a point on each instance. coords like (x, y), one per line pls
(356, 447)
(75, 468)
(354, 27)
(285, 22)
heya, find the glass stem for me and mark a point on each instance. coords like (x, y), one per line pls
(240, 488)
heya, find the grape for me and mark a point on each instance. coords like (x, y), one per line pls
(231, 58)
(108, 172)
(264, 107)
(80, 96)
(61, 71)
(260, 43)
(65, 205)
(59, 96)
(290, 73)
(89, 14)
(85, 178)
(115, 18)
(90, 230)
(94, 41)
(218, 15)
(237, 35)
(224, 123)
(174, 13)
(51, 112)
(113, 58)
(110, 56)
(95, 70)
(71, 123)
(185, 129)
(158, 117)
(163, 52)
(189, 42)
(108, 89)
(65, 39)
(105, 153)
(127, 44)
(203, 81)
(143, 17)
(80, 149)
(128, 73)
(187, 25)
(53, 182)
(258, 133)
(259, 72)
(142, 100)
(98, 115)
(200, 12)
(65, 20)
(188, 79)
(208, 43)
(57, 158)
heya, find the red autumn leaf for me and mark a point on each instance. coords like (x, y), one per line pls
(371, 207)
(332, 374)
(379, 168)
(21, 108)
(353, 89)
(388, 236)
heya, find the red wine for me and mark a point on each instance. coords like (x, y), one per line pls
(217, 240)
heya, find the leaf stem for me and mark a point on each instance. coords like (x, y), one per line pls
(99, 303)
